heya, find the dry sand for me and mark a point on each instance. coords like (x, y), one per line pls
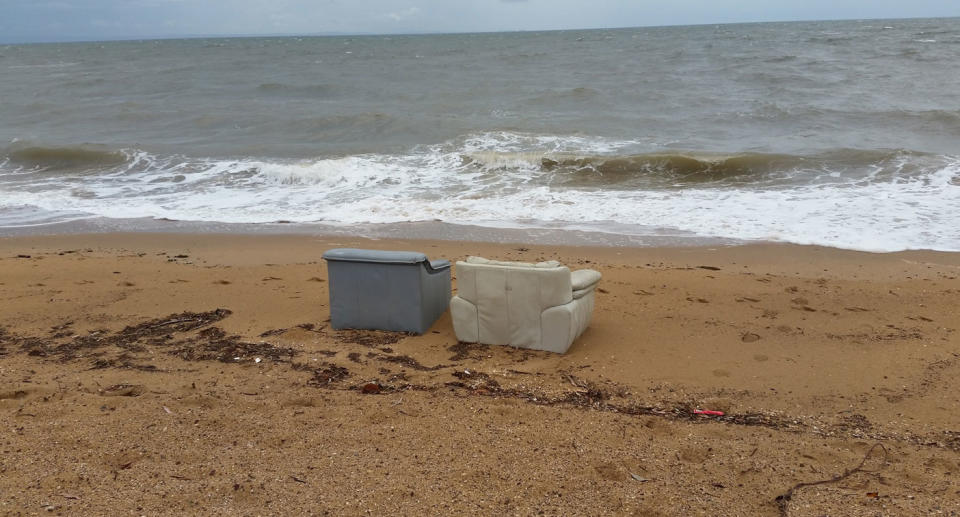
(197, 374)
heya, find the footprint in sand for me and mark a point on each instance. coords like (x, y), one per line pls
(694, 454)
(721, 373)
(760, 358)
(611, 471)
(749, 337)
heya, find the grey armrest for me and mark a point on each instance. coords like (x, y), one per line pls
(439, 264)
(381, 257)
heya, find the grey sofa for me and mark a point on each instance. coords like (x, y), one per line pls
(386, 290)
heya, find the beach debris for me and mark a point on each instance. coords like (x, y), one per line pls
(710, 268)
(327, 374)
(405, 360)
(257, 359)
(122, 390)
(370, 338)
(639, 478)
(69, 496)
(193, 320)
(783, 500)
(370, 388)
(709, 412)
(214, 344)
(462, 351)
(167, 410)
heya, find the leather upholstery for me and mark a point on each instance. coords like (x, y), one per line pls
(540, 306)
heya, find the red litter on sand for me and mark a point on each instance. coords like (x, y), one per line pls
(707, 412)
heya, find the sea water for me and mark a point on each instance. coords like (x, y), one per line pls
(844, 134)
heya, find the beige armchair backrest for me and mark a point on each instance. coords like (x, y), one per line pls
(521, 304)
(538, 286)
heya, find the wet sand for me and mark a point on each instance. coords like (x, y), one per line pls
(192, 373)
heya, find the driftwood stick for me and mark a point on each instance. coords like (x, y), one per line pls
(783, 500)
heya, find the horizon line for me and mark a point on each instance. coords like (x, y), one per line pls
(336, 34)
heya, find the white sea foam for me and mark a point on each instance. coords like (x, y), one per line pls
(495, 179)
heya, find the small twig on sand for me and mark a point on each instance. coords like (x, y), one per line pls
(171, 322)
(576, 382)
(783, 500)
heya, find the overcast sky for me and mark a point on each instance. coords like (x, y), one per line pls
(60, 20)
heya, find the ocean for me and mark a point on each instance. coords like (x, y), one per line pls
(843, 133)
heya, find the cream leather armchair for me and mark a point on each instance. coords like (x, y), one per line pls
(540, 306)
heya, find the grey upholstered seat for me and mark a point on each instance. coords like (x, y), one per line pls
(386, 290)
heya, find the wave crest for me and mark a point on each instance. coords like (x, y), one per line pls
(692, 167)
(65, 158)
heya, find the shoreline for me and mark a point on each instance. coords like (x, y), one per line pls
(419, 230)
(814, 355)
(416, 230)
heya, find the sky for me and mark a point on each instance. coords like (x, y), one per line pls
(69, 20)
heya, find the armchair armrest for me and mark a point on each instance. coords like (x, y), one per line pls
(584, 278)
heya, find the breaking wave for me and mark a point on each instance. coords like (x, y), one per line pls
(880, 200)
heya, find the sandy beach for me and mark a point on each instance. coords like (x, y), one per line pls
(145, 374)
